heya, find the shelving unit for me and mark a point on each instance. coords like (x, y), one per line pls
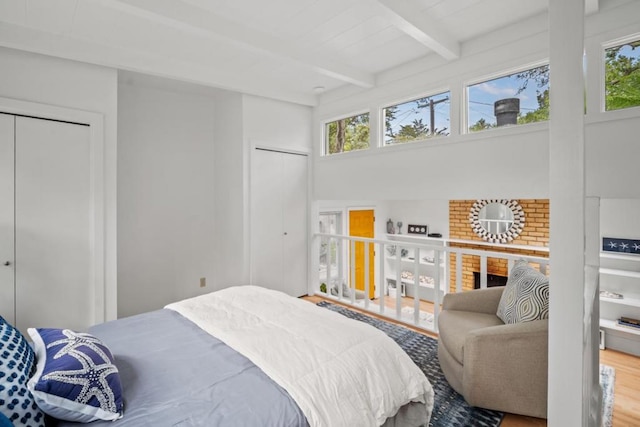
(620, 273)
(425, 268)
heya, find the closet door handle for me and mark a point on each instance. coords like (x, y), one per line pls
(7, 263)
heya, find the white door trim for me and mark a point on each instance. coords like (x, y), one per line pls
(101, 312)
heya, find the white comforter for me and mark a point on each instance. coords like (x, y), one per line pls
(340, 372)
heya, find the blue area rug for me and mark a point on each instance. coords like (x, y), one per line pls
(449, 409)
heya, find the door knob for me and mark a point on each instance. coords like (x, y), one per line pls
(7, 263)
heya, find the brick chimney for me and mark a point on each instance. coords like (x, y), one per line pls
(506, 111)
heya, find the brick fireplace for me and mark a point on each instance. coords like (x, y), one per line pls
(534, 233)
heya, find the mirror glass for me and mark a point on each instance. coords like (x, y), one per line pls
(497, 221)
(496, 218)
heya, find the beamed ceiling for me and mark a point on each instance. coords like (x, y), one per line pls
(284, 49)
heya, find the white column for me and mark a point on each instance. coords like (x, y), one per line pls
(567, 222)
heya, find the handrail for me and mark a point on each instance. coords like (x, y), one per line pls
(339, 256)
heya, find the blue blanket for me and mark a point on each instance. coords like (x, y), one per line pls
(175, 374)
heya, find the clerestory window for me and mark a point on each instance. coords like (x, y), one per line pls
(514, 99)
(622, 76)
(417, 120)
(347, 134)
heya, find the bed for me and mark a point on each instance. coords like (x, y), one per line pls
(248, 356)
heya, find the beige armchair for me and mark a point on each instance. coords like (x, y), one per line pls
(491, 364)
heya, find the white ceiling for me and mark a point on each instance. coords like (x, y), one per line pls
(284, 49)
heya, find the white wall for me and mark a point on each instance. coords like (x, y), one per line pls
(612, 153)
(231, 227)
(166, 200)
(47, 80)
(434, 213)
(619, 218)
(277, 124)
(502, 166)
(243, 121)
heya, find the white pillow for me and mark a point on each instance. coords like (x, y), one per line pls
(526, 296)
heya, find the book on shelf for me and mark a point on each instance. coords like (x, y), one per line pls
(635, 326)
(630, 320)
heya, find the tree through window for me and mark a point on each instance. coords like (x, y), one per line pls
(417, 120)
(348, 134)
(622, 76)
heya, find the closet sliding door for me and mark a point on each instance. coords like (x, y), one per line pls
(51, 270)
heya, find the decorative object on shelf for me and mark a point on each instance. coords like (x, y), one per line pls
(417, 229)
(437, 235)
(392, 289)
(390, 228)
(392, 251)
(497, 220)
(626, 246)
(399, 227)
(424, 280)
(612, 295)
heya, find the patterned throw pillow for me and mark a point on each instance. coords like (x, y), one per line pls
(526, 296)
(76, 378)
(17, 362)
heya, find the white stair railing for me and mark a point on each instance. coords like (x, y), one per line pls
(340, 258)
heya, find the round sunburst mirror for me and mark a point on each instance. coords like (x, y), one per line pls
(497, 220)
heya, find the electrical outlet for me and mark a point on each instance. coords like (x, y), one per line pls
(203, 282)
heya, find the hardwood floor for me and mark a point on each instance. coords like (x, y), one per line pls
(626, 409)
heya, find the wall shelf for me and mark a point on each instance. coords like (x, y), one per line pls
(425, 268)
(612, 324)
(620, 273)
(620, 256)
(631, 302)
(412, 260)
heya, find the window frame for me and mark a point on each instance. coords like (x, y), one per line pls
(602, 80)
(407, 99)
(464, 113)
(325, 142)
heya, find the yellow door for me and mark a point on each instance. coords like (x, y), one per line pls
(361, 225)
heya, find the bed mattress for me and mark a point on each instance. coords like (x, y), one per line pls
(185, 367)
(175, 374)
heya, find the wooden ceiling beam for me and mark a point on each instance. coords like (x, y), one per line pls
(204, 23)
(412, 21)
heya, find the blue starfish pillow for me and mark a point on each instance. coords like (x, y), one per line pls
(17, 363)
(76, 378)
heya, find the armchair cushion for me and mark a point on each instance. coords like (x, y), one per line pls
(526, 296)
(478, 300)
(456, 325)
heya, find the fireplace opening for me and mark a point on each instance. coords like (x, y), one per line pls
(492, 280)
